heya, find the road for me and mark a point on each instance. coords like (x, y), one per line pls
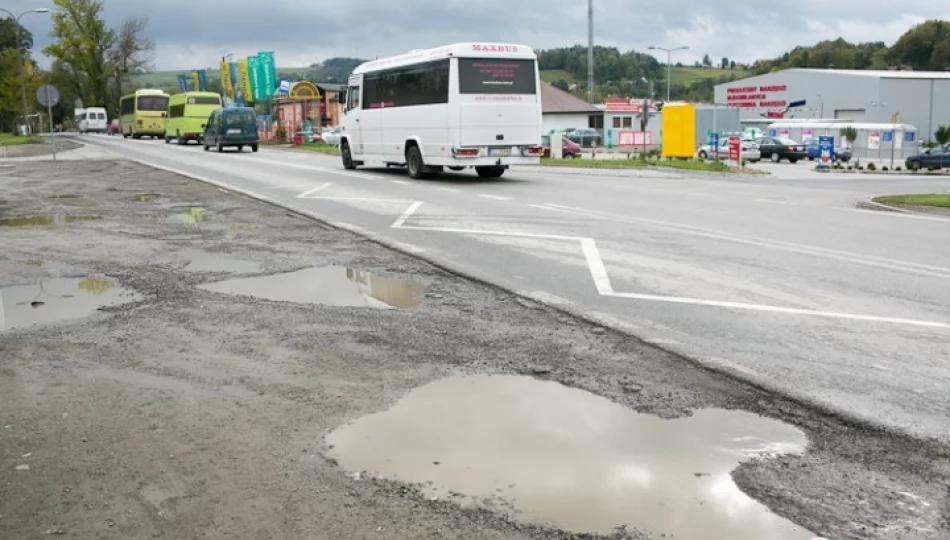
(779, 280)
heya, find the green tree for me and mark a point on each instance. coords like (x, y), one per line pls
(849, 133)
(725, 63)
(925, 46)
(130, 56)
(8, 36)
(81, 51)
(707, 61)
(942, 135)
(11, 104)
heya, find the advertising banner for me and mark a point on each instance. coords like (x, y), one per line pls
(257, 81)
(874, 140)
(194, 80)
(244, 82)
(202, 80)
(734, 151)
(226, 85)
(634, 138)
(269, 72)
(183, 82)
(826, 151)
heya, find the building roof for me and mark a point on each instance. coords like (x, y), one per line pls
(880, 74)
(557, 101)
(329, 87)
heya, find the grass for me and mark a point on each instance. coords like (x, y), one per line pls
(685, 165)
(554, 75)
(937, 200)
(7, 139)
(321, 148)
(687, 75)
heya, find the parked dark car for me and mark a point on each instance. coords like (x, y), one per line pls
(842, 153)
(585, 137)
(935, 158)
(235, 127)
(569, 149)
(779, 148)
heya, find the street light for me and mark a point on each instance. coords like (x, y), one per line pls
(649, 82)
(16, 22)
(669, 64)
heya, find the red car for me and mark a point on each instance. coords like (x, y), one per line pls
(569, 148)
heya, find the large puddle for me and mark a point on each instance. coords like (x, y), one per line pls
(565, 457)
(200, 260)
(58, 300)
(328, 285)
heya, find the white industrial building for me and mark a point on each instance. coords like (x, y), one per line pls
(918, 98)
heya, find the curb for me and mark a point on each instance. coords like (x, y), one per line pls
(713, 365)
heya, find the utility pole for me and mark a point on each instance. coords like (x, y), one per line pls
(590, 51)
(669, 65)
(22, 57)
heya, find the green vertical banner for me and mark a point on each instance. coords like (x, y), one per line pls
(257, 79)
(269, 73)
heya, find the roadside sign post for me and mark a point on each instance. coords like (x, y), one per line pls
(826, 149)
(48, 96)
(714, 142)
(735, 152)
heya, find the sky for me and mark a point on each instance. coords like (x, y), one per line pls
(197, 33)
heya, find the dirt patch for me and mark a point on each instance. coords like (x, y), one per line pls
(195, 413)
(41, 149)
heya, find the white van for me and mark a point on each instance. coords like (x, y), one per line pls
(465, 105)
(93, 120)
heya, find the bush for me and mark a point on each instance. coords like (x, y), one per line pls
(872, 167)
(897, 168)
(884, 168)
(850, 167)
(860, 167)
(742, 163)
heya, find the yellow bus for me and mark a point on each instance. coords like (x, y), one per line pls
(187, 113)
(143, 113)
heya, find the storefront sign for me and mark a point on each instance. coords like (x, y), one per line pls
(758, 97)
(874, 140)
(634, 138)
(734, 152)
(826, 149)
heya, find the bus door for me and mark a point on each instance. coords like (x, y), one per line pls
(352, 127)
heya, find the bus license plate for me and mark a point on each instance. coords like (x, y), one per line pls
(499, 152)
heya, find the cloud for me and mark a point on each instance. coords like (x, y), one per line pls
(196, 33)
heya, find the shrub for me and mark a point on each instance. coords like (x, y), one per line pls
(872, 167)
(884, 168)
(742, 163)
(860, 167)
(850, 167)
(897, 168)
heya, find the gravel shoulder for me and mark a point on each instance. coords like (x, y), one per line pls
(45, 148)
(193, 414)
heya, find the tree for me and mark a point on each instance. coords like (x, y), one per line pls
(707, 61)
(925, 46)
(131, 55)
(725, 63)
(849, 133)
(8, 36)
(81, 51)
(732, 65)
(942, 135)
(562, 84)
(11, 104)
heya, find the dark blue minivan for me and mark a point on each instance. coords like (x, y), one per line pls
(233, 126)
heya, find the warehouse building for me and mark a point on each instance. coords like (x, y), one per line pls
(919, 98)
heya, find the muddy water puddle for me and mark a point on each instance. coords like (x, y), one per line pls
(57, 300)
(45, 221)
(568, 458)
(200, 260)
(327, 285)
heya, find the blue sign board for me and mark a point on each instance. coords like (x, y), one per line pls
(910, 136)
(183, 82)
(714, 142)
(888, 136)
(773, 133)
(826, 151)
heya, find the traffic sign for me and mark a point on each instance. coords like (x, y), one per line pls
(47, 95)
(734, 153)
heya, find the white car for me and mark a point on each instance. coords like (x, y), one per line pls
(331, 136)
(749, 150)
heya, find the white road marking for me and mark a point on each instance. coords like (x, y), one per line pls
(844, 256)
(403, 182)
(596, 266)
(495, 197)
(306, 194)
(780, 309)
(288, 186)
(774, 201)
(450, 190)
(398, 224)
(367, 199)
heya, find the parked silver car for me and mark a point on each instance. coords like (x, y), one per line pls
(749, 150)
(331, 136)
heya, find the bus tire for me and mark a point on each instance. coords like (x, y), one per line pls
(168, 140)
(348, 162)
(414, 163)
(253, 148)
(490, 172)
(181, 140)
(206, 147)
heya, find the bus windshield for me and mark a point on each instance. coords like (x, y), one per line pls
(152, 103)
(496, 76)
(204, 100)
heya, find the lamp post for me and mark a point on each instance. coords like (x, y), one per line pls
(16, 22)
(649, 82)
(669, 64)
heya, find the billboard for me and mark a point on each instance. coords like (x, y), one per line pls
(226, 86)
(268, 72)
(202, 80)
(244, 81)
(194, 80)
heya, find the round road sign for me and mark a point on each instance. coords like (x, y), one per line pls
(47, 95)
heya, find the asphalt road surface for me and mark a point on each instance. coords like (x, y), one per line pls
(779, 280)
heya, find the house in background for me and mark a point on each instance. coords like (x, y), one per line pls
(332, 108)
(560, 110)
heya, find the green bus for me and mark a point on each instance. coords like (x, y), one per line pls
(187, 114)
(143, 113)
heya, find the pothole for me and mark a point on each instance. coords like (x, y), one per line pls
(45, 220)
(327, 285)
(58, 300)
(568, 458)
(205, 261)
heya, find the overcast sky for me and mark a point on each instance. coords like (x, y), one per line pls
(196, 33)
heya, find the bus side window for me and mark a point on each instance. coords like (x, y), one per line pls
(353, 97)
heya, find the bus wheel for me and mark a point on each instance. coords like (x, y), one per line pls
(414, 163)
(168, 140)
(457, 168)
(181, 140)
(490, 172)
(348, 162)
(253, 148)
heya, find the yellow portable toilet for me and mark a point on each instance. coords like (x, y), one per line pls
(678, 121)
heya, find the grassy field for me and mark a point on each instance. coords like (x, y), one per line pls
(938, 200)
(688, 165)
(553, 75)
(7, 139)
